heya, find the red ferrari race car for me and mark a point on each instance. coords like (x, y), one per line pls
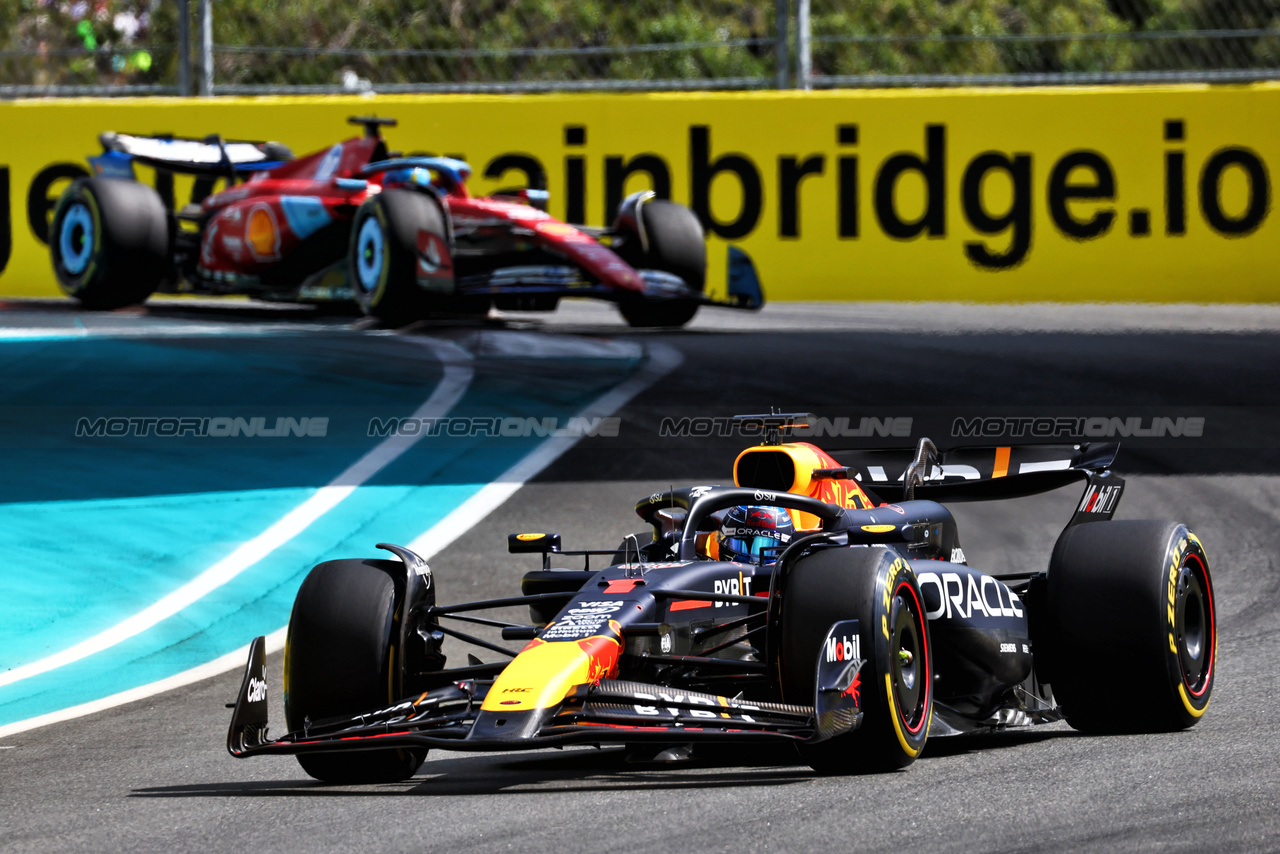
(401, 236)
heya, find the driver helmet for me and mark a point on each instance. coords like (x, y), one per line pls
(747, 532)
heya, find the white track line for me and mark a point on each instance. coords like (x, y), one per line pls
(43, 333)
(458, 373)
(662, 360)
(220, 665)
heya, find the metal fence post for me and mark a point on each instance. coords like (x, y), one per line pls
(206, 47)
(804, 50)
(781, 52)
(184, 49)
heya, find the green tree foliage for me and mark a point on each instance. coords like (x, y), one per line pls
(87, 42)
(966, 37)
(451, 41)
(459, 42)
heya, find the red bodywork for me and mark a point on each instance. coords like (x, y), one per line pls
(252, 227)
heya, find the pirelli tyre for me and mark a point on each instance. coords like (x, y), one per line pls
(674, 243)
(339, 659)
(1132, 627)
(110, 242)
(384, 261)
(877, 588)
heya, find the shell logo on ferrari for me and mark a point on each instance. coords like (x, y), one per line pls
(557, 229)
(262, 233)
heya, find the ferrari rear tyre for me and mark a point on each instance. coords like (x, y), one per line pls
(110, 242)
(877, 588)
(384, 256)
(1132, 629)
(676, 244)
(340, 658)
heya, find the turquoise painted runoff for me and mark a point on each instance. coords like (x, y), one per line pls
(93, 529)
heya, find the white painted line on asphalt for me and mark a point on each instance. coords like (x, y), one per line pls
(458, 373)
(662, 360)
(230, 661)
(50, 333)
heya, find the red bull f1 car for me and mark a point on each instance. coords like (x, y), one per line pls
(401, 236)
(856, 638)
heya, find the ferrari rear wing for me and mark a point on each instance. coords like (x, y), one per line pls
(209, 156)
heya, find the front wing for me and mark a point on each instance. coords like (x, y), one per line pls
(610, 711)
(563, 280)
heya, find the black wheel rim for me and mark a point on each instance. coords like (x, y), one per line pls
(1192, 624)
(909, 664)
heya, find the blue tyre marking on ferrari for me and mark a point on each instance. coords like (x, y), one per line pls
(370, 255)
(77, 221)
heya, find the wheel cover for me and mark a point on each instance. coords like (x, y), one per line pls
(76, 238)
(370, 255)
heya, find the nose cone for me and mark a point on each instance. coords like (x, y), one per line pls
(535, 683)
(544, 672)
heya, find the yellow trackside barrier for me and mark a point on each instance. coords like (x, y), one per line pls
(1117, 193)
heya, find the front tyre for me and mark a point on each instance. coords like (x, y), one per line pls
(877, 588)
(675, 243)
(340, 658)
(398, 238)
(109, 242)
(1132, 627)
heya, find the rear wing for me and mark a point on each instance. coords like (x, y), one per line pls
(989, 473)
(209, 156)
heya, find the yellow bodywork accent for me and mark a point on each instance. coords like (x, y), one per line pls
(544, 673)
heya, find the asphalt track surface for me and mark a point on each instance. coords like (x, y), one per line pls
(154, 775)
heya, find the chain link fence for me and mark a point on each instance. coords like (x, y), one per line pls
(975, 42)
(498, 45)
(132, 47)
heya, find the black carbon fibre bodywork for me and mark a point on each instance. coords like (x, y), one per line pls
(669, 646)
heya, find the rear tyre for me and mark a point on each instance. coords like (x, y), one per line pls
(109, 242)
(676, 244)
(878, 589)
(384, 260)
(1132, 627)
(340, 658)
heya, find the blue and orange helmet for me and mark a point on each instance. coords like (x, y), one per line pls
(750, 533)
